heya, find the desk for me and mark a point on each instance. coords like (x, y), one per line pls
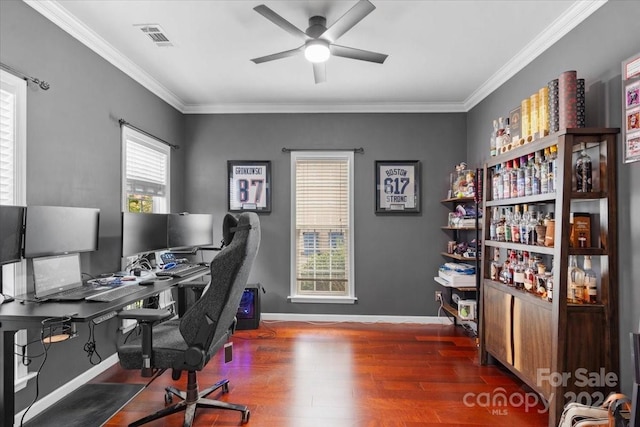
(15, 316)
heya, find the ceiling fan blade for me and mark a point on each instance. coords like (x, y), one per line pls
(320, 72)
(348, 20)
(280, 21)
(352, 53)
(278, 55)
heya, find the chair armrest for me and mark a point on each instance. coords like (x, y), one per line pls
(193, 284)
(145, 315)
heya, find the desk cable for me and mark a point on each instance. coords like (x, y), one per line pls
(90, 346)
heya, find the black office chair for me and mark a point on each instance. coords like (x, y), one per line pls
(188, 343)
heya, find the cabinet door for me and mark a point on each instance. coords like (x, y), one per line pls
(532, 332)
(497, 323)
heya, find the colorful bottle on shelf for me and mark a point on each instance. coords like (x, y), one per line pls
(514, 177)
(529, 273)
(575, 288)
(506, 181)
(535, 179)
(518, 273)
(590, 282)
(521, 180)
(496, 266)
(553, 164)
(584, 181)
(544, 172)
(495, 181)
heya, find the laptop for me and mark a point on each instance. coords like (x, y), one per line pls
(58, 278)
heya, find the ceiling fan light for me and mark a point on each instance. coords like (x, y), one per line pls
(317, 51)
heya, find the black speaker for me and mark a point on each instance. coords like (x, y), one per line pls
(249, 310)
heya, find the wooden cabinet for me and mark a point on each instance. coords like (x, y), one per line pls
(540, 340)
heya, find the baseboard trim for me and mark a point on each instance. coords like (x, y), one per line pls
(50, 399)
(295, 317)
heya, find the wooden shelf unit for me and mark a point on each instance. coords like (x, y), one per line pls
(529, 335)
(457, 233)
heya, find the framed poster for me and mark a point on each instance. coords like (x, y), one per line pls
(249, 186)
(631, 109)
(397, 186)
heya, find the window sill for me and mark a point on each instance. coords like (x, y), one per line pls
(322, 299)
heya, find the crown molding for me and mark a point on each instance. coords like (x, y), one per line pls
(384, 107)
(577, 12)
(58, 15)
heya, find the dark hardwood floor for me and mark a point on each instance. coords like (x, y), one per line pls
(296, 374)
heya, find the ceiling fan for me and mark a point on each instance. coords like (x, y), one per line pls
(319, 41)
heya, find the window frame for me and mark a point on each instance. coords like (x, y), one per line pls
(294, 296)
(17, 272)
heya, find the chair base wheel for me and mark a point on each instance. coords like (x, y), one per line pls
(245, 416)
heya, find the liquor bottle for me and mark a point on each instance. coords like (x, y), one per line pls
(553, 164)
(549, 282)
(496, 267)
(583, 171)
(541, 279)
(535, 179)
(529, 273)
(521, 176)
(576, 281)
(500, 229)
(515, 225)
(502, 167)
(528, 176)
(506, 181)
(497, 178)
(514, 177)
(544, 172)
(590, 282)
(506, 274)
(507, 226)
(518, 273)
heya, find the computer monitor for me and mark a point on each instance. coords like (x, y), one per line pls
(57, 230)
(189, 230)
(11, 233)
(143, 233)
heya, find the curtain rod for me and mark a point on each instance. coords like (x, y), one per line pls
(355, 150)
(43, 85)
(123, 122)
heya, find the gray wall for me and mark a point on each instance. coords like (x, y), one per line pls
(595, 49)
(395, 256)
(73, 152)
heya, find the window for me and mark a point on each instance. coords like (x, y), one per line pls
(310, 242)
(13, 168)
(146, 173)
(322, 227)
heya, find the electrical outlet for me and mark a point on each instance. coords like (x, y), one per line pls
(438, 295)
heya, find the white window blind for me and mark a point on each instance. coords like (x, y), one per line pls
(13, 141)
(146, 178)
(322, 258)
(7, 141)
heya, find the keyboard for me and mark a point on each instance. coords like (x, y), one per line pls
(114, 294)
(74, 294)
(182, 270)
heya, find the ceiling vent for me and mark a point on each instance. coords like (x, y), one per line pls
(156, 34)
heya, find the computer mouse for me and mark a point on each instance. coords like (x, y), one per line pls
(147, 282)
